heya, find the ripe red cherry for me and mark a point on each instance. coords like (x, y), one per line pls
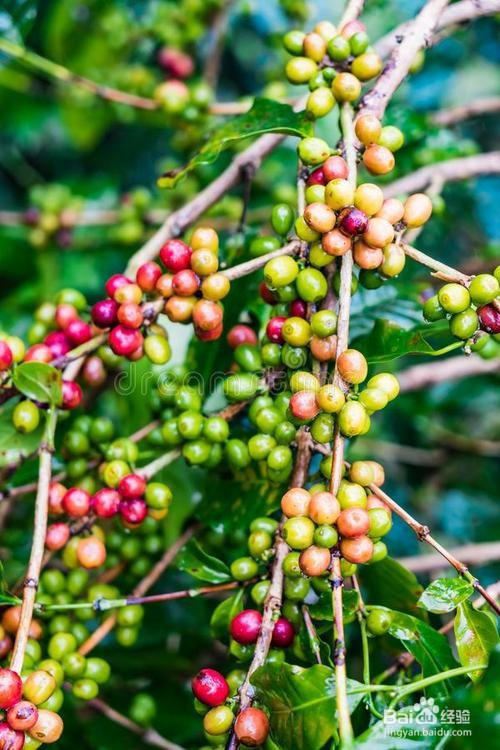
(57, 536)
(489, 318)
(6, 357)
(115, 282)
(56, 494)
(251, 727)
(335, 168)
(317, 177)
(274, 329)
(38, 353)
(353, 522)
(124, 341)
(106, 502)
(245, 626)
(11, 688)
(352, 221)
(76, 502)
(185, 282)
(65, 314)
(22, 716)
(212, 335)
(132, 485)
(10, 739)
(267, 295)
(130, 315)
(298, 308)
(72, 394)
(147, 275)
(303, 405)
(78, 332)
(133, 511)
(58, 343)
(175, 62)
(104, 313)
(283, 633)
(176, 255)
(241, 334)
(5, 646)
(210, 687)
(94, 372)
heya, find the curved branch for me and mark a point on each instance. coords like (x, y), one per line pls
(453, 368)
(440, 270)
(451, 116)
(474, 554)
(352, 10)
(450, 170)
(418, 35)
(461, 12)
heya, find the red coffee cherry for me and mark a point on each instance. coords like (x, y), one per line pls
(106, 502)
(210, 687)
(336, 243)
(78, 332)
(64, 315)
(176, 255)
(352, 221)
(11, 687)
(489, 319)
(283, 633)
(38, 353)
(93, 371)
(323, 349)
(317, 177)
(185, 283)
(245, 626)
(132, 485)
(324, 508)
(58, 343)
(358, 550)
(130, 315)
(298, 308)
(147, 276)
(91, 552)
(267, 295)
(164, 285)
(335, 168)
(124, 341)
(314, 561)
(353, 522)
(303, 405)
(274, 329)
(104, 313)
(241, 334)
(207, 315)
(115, 282)
(295, 502)
(22, 716)
(212, 335)
(10, 739)
(133, 511)
(178, 64)
(57, 536)
(72, 394)
(56, 494)
(251, 727)
(76, 502)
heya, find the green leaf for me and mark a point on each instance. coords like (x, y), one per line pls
(476, 636)
(9, 599)
(301, 703)
(445, 594)
(17, 18)
(388, 340)
(39, 381)
(234, 504)
(265, 116)
(404, 733)
(14, 445)
(224, 613)
(389, 583)
(198, 563)
(322, 609)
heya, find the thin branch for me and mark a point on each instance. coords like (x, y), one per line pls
(453, 368)
(417, 35)
(352, 10)
(441, 270)
(140, 590)
(243, 269)
(453, 115)
(449, 171)
(214, 56)
(475, 554)
(311, 631)
(424, 535)
(159, 463)
(147, 734)
(360, 616)
(38, 543)
(458, 13)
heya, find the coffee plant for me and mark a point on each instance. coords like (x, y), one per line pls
(201, 505)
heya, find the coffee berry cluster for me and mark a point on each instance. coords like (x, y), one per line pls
(30, 710)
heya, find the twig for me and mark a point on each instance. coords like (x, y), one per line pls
(141, 589)
(360, 616)
(158, 464)
(243, 269)
(38, 543)
(451, 116)
(423, 534)
(417, 35)
(474, 554)
(441, 270)
(453, 368)
(339, 656)
(397, 453)
(465, 444)
(214, 55)
(311, 630)
(458, 13)
(352, 10)
(449, 170)
(147, 734)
